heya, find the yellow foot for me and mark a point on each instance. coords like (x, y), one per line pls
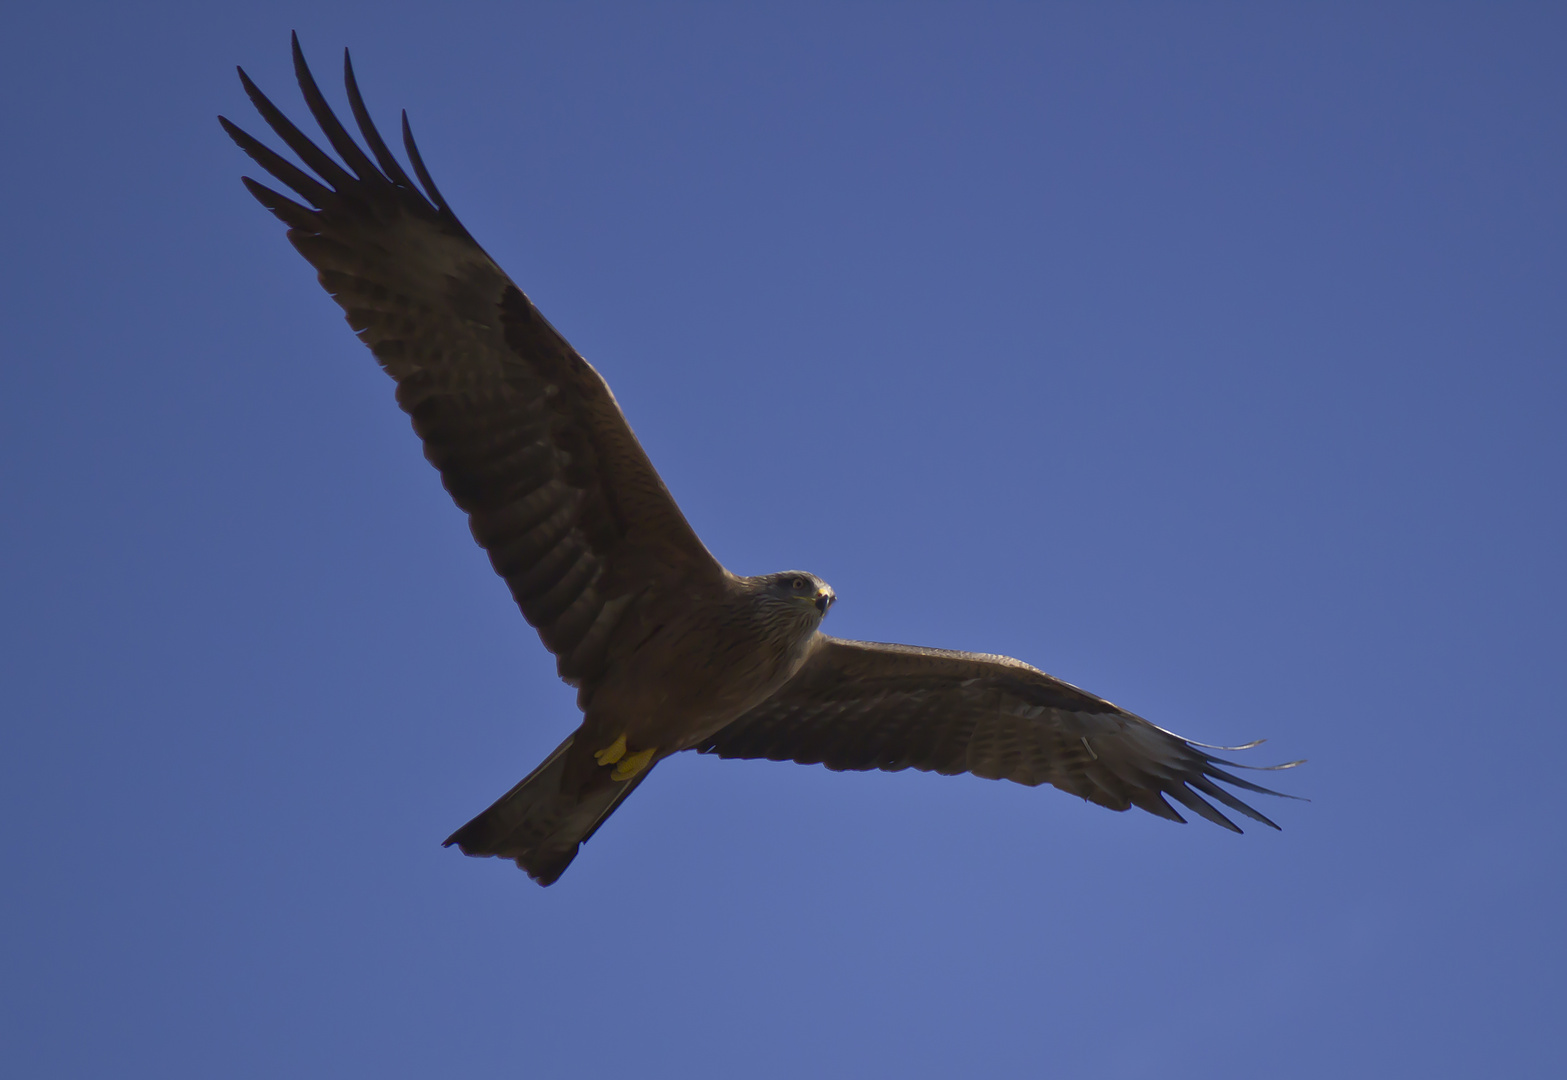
(632, 764)
(611, 753)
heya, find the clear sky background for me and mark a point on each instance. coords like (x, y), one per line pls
(1207, 356)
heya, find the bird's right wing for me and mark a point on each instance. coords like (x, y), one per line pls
(527, 436)
(859, 705)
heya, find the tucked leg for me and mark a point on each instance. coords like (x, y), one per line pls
(631, 764)
(611, 753)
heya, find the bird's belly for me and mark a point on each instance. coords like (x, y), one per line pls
(673, 706)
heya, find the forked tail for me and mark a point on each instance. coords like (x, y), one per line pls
(540, 823)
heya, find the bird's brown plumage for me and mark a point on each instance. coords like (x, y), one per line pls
(527, 436)
(860, 705)
(669, 651)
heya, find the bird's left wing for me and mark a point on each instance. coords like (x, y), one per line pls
(859, 705)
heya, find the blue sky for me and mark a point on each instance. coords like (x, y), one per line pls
(1209, 357)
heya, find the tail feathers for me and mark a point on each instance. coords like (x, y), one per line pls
(537, 824)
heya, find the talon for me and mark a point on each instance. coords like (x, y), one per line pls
(611, 753)
(632, 764)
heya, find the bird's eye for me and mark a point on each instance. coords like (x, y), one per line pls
(798, 583)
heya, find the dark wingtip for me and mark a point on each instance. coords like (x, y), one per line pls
(1200, 806)
(312, 155)
(282, 207)
(1213, 770)
(330, 126)
(288, 173)
(1262, 768)
(367, 128)
(419, 170)
(1231, 749)
(298, 53)
(251, 89)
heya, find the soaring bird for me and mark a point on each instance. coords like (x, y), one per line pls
(668, 650)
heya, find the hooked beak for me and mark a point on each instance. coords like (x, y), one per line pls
(824, 599)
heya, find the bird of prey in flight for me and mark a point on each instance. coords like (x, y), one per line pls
(668, 650)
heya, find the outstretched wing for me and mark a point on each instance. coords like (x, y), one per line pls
(527, 436)
(864, 705)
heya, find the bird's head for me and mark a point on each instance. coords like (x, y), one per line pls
(801, 590)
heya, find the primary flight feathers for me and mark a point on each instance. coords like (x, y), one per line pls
(668, 650)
